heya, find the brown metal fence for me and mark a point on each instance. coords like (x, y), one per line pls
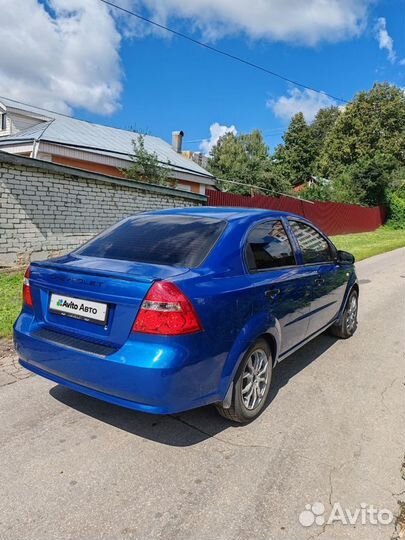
(332, 218)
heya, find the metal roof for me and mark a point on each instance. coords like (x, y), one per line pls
(68, 131)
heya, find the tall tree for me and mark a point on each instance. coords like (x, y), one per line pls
(245, 159)
(145, 165)
(320, 128)
(373, 123)
(294, 158)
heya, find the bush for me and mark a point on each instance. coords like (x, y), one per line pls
(397, 211)
(341, 190)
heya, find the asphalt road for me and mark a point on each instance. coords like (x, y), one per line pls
(72, 467)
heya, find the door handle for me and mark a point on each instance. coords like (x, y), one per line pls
(319, 281)
(272, 293)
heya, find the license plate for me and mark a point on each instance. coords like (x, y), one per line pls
(78, 308)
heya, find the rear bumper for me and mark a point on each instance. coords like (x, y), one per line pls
(156, 377)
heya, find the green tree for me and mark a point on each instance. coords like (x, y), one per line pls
(396, 197)
(145, 165)
(369, 135)
(294, 158)
(320, 128)
(244, 158)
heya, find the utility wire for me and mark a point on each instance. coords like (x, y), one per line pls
(207, 138)
(220, 51)
(267, 133)
(163, 163)
(264, 189)
(36, 107)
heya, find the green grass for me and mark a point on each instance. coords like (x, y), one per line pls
(10, 301)
(365, 245)
(361, 245)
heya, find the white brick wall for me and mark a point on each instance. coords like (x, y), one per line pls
(46, 210)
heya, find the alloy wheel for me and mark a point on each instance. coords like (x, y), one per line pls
(351, 317)
(255, 379)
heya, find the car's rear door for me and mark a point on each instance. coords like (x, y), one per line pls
(328, 279)
(276, 284)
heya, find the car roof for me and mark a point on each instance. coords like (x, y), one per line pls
(227, 213)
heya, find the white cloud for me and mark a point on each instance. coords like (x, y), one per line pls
(306, 101)
(385, 41)
(65, 54)
(216, 131)
(299, 21)
(61, 57)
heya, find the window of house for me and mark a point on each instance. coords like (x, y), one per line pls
(314, 247)
(268, 247)
(184, 187)
(3, 121)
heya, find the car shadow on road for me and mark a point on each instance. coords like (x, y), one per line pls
(192, 427)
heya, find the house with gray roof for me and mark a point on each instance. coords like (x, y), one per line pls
(41, 134)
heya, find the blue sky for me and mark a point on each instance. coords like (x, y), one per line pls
(157, 83)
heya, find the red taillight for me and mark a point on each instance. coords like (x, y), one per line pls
(27, 297)
(166, 311)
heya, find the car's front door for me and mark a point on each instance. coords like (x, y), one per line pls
(328, 282)
(277, 286)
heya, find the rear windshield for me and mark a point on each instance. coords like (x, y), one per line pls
(157, 239)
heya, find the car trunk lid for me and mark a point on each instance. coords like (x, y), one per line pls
(94, 298)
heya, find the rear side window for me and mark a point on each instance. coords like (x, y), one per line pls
(268, 247)
(314, 247)
(158, 239)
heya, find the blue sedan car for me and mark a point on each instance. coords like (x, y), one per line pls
(171, 310)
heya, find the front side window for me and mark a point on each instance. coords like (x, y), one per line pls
(315, 249)
(268, 247)
(174, 240)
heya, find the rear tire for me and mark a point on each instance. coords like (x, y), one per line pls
(348, 323)
(251, 385)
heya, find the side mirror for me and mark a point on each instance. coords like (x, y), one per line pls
(344, 257)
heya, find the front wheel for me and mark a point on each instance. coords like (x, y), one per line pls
(348, 323)
(251, 384)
